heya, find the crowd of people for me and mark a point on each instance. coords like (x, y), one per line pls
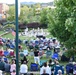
(34, 32)
(40, 47)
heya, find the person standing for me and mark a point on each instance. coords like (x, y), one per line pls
(2, 65)
(36, 56)
(13, 66)
(7, 67)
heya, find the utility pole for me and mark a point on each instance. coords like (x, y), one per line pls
(17, 51)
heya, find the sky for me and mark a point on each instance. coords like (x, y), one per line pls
(13, 1)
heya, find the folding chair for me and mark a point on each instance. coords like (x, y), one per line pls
(11, 53)
(56, 68)
(1, 53)
(34, 67)
(42, 62)
(5, 59)
(6, 53)
(48, 53)
(55, 56)
(25, 52)
(41, 53)
(69, 69)
(21, 54)
(12, 46)
(31, 53)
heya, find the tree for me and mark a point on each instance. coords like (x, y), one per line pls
(23, 14)
(27, 14)
(62, 23)
(11, 13)
(43, 17)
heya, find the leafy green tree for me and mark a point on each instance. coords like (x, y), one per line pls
(27, 14)
(11, 13)
(62, 23)
(32, 17)
(23, 14)
(43, 18)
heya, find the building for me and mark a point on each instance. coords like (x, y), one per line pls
(3, 10)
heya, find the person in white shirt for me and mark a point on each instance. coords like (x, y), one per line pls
(59, 72)
(46, 68)
(1, 72)
(24, 68)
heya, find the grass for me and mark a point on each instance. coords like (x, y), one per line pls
(9, 35)
(1, 32)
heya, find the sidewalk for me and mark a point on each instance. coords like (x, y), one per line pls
(4, 34)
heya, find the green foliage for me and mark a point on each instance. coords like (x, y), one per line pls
(11, 13)
(43, 18)
(62, 23)
(70, 53)
(27, 14)
(23, 14)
